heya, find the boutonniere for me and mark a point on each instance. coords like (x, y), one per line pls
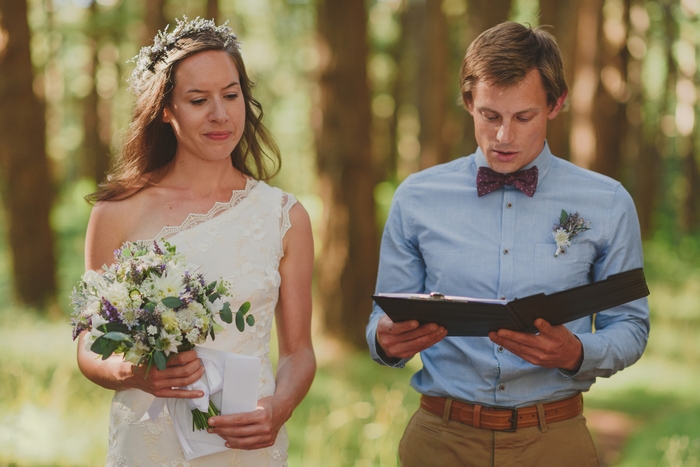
(568, 227)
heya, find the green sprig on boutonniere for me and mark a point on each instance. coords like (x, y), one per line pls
(568, 227)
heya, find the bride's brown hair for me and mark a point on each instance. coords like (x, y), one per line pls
(150, 143)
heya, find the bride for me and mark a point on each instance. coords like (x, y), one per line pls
(191, 171)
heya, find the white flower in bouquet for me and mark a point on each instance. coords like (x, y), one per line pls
(149, 305)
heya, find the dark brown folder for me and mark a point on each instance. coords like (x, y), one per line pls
(464, 316)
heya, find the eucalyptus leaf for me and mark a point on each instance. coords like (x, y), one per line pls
(149, 307)
(159, 359)
(562, 217)
(225, 313)
(101, 345)
(213, 297)
(240, 321)
(110, 348)
(114, 327)
(171, 302)
(244, 308)
(250, 319)
(116, 336)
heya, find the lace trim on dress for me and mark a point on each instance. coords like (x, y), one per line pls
(288, 200)
(194, 219)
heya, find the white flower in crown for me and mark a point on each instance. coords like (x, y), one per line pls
(568, 227)
(166, 41)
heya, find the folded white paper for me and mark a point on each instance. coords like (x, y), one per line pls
(230, 380)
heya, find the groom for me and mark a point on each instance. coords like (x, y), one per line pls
(481, 226)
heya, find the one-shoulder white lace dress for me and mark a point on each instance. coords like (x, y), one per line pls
(240, 241)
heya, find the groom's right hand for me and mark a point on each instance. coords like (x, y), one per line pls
(407, 338)
(181, 369)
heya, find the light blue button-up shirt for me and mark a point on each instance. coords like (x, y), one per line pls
(441, 237)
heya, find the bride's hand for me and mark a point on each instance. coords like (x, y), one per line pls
(250, 430)
(181, 369)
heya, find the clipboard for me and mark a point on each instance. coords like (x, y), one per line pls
(466, 316)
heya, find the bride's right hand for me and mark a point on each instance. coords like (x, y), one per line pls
(182, 369)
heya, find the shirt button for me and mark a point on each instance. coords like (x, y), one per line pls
(505, 252)
(509, 205)
(502, 387)
(500, 349)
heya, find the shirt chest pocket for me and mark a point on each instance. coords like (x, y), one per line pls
(566, 268)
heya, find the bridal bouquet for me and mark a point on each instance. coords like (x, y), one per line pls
(149, 305)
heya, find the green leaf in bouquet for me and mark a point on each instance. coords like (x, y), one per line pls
(243, 309)
(250, 319)
(210, 287)
(159, 359)
(225, 313)
(117, 336)
(150, 306)
(222, 287)
(114, 327)
(240, 321)
(213, 297)
(102, 346)
(171, 302)
(172, 249)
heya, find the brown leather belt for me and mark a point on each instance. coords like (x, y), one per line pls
(504, 418)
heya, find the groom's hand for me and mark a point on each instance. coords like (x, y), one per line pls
(552, 347)
(250, 430)
(407, 338)
(181, 369)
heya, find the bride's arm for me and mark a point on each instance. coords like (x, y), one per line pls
(105, 233)
(297, 363)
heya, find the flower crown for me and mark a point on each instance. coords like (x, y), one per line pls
(164, 42)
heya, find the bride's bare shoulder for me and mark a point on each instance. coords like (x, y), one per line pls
(113, 222)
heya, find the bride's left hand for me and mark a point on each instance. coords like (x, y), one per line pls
(250, 430)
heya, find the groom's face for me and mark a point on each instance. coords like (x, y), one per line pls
(510, 123)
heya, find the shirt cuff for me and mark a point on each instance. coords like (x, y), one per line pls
(384, 359)
(568, 374)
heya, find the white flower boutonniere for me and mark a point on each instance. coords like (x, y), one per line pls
(568, 227)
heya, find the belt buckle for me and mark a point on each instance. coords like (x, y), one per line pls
(513, 420)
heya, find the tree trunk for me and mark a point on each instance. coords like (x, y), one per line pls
(432, 83)
(644, 159)
(610, 113)
(485, 14)
(561, 15)
(583, 89)
(348, 263)
(691, 203)
(213, 10)
(26, 179)
(96, 145)
(154, 17)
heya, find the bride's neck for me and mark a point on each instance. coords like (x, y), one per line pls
(203, 179)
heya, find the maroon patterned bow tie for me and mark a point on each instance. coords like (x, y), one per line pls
(488, 180)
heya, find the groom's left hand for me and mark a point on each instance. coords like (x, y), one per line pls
(250, 430)
(551, 347)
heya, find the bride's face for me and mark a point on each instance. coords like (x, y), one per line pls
(207, 111)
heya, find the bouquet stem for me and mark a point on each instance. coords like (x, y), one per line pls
(200, 419)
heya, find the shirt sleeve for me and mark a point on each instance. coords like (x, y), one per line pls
(401, 266)
(621, 333)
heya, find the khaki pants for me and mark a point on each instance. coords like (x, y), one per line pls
(430, 440)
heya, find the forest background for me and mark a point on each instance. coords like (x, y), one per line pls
(359, 94)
